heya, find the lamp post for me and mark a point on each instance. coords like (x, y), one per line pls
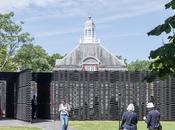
(119, 107)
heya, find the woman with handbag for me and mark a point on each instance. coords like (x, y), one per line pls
(64, 109)
(129, 119)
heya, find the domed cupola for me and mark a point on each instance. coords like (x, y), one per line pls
(90, 55)
(89, 31)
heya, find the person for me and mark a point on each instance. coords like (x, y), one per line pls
(34, 107)
(1, 113)
(153, 118)
(64, 109)
(129, 119)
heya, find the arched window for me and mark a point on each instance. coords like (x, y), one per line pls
(90, 64)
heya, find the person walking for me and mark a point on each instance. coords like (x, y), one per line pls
(129, 119)
(64, 109)
(153, 118)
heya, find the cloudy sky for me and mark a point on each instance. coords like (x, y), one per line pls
(121, 25)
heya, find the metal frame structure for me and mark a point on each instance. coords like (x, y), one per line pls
(99, 95)
(95, 95)
(19, 92)
(23, 96)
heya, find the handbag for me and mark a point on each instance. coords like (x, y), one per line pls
(160, 127)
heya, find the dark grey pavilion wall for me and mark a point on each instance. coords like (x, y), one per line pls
(43, 81)
(92, 95)
(19, 94)
(96, 95)
(11, 81)
(23, 96)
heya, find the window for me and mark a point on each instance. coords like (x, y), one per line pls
(90, 67)
(89, 32)
(90, 64)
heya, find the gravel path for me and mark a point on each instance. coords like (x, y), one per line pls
(44, 124)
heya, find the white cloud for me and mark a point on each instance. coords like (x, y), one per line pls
(132, 9)
(6, 5)
(103, 10)
(110, 9)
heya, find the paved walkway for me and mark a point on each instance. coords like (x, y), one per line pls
(44, 124)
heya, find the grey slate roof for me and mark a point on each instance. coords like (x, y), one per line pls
(75, 58)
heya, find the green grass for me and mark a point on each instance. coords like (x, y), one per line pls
(112, 125)
(17, 128)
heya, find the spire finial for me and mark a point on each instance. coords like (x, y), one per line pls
(89, 31)
(89, 17)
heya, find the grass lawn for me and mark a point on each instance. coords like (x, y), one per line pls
(112, 125)
(17, 128)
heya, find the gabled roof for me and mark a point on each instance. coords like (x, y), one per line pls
(90, 52)
(83, 51)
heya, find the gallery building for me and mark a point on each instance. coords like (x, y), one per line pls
(95, 83)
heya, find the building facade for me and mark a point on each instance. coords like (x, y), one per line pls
(90, 55)
(101, 92)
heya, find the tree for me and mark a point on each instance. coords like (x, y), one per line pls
(53, 58)
(33, 57)
(163, 58)
(139, 65)
(3, 53)
(10, 64)
(11, 36)
(122, 59)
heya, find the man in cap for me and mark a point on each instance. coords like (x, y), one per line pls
(129, 119)
(153, 118)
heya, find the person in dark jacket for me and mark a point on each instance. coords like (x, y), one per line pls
(129, 119)
(153, 118)
(1, 113)
(34, 107)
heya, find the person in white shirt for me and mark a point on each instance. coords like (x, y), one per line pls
(64, 109)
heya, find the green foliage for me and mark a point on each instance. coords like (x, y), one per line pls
(17, 50)
(171, 4)
(165, 27)
(163, 58)
(53, 58)
(139, 65)
(121, 58)
(3, 52)
(32, 57)
(11, 37)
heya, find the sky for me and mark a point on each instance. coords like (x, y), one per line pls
(122, 26)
